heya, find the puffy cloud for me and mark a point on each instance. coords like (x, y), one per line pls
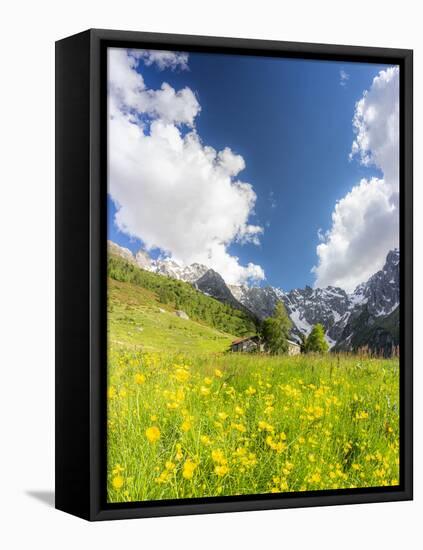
(364, 227)
(172, 191)
(128, 92)
(124, 83)
(376, 123)
(365, 223)
(163, 59)
(178, 107)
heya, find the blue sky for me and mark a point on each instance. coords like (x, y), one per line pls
(291, 121)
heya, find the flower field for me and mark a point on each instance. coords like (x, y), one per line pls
(213, 424)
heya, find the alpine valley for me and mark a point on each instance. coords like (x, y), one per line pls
(366, 318)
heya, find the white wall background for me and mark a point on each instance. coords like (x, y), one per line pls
(28, 32)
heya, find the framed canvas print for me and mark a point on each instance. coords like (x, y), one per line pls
(234, 274)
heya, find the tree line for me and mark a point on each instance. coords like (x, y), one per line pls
(181, 295)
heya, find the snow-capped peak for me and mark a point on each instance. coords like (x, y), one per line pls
(163, 266)
(330, 306)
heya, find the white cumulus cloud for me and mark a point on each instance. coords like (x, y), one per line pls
(365, 223)
(171, 190)
(128, 92)
(376, 123)
(163, 59)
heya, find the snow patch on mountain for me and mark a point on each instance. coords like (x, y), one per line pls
(297, 317)
(120, 251)
(165, 266)
(330, 306)
(336, 310)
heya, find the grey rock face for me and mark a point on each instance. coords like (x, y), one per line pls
(193, 272)
(336, 310)
(167, 267)
(327, 306)
(170, 268)
(143, 260)
(374, 318)
(261, 301)
(305, 307)
(341, 314)
(124, 253)
(381, 291)
(212, 284)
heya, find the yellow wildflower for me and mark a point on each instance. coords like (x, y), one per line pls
(218, 456)
(139, 378)
(188, 470)
(277, 446)
(265, 426)
(205, 440)
(182, 374)
(117, 482)
(111, 392)
(315, 478)
(186, 425)
(221, 470)
(163, 477)
(117, 470)
(152, 434)
(239, 427)
(179, 453)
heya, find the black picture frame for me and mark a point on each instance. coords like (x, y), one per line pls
(81, 251)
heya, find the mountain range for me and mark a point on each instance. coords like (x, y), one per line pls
(367, 317)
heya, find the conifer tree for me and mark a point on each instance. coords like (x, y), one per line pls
(316, 341)
(275, 330)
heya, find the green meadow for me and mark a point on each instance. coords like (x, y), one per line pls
(138, 321)
(187, 418)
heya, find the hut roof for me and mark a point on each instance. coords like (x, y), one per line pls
(245, 339)
(293, 343)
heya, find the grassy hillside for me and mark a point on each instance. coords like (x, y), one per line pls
(180, 295)
(137, 320)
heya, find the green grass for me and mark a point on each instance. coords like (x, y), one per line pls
(186, 419)
(138, 321)
(181, 295)
(245, 424)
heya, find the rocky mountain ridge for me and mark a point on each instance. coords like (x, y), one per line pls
(344, 316)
